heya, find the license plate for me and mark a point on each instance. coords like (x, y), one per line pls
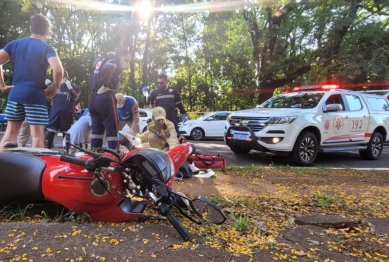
(240, 136)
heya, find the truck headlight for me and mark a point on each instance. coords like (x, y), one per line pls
(285, 120)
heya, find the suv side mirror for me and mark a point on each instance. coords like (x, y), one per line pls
(332, 108)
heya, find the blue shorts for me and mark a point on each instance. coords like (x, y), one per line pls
(35, 114)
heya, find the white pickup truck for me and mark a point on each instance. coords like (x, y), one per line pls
(312, 119)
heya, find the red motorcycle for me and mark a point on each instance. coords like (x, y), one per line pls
(108, 187)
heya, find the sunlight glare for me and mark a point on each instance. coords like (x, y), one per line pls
(144, 9)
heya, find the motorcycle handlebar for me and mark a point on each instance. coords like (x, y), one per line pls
(177, 225)
(72, 159)
(165, 211)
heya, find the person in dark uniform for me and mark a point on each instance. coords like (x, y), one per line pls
(104, 80)
(168, 98)
(61, 115)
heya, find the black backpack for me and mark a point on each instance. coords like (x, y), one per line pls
(185, 170)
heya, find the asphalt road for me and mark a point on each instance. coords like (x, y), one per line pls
(348, 159)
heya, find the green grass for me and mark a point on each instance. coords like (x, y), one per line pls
(241, 223)
(68, 215)
(300, 171)
(19, 214)
(324, 200)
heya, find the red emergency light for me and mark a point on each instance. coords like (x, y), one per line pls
(330, 86)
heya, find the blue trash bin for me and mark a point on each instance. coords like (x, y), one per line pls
(3, 123)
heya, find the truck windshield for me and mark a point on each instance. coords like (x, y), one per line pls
(293, 100)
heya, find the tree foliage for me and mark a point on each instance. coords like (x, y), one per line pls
(224, 58)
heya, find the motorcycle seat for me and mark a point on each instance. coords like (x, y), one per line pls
(33, 151)
(21, 176)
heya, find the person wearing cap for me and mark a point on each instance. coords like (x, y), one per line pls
(160, 132)
(61, 115)
(128, 111)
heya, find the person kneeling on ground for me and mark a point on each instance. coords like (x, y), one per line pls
(128, 113)
(161, 134)
(79, 133)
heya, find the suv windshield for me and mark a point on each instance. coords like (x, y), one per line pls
(293, 100)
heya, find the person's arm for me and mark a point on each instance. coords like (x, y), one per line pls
(144, 135)
(181, 108)
(178, 101)
(151, 100)
(179, 105)
(172, 139)
(120, 114)
(73, 90)
(57, 68)
(4, 58)
(135, 119)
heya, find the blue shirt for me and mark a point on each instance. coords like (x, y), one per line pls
(125, 113)
(84, 112)
(29, 68)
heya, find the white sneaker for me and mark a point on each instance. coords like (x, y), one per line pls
(209, 173)
(194, 168)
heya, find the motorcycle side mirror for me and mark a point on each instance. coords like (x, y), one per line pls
(207, 210)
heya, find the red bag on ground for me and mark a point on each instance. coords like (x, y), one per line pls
(205, 162)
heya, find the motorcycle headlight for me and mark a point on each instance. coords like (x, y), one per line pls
(155, 165)
(285, 120)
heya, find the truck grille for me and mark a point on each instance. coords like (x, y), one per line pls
(255, 123)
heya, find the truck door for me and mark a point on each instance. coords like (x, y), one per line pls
(358, 117)
(335, 124)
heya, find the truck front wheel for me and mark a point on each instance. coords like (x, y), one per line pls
(305, 149)
(374, 147)
(240, 150)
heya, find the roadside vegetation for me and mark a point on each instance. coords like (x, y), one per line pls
(226, 58)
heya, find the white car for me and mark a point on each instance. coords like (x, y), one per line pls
(209, 125)
(144, 115)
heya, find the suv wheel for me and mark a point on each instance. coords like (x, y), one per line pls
(374, 147)
(197, 134)
(240, 150)
(305, 149)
